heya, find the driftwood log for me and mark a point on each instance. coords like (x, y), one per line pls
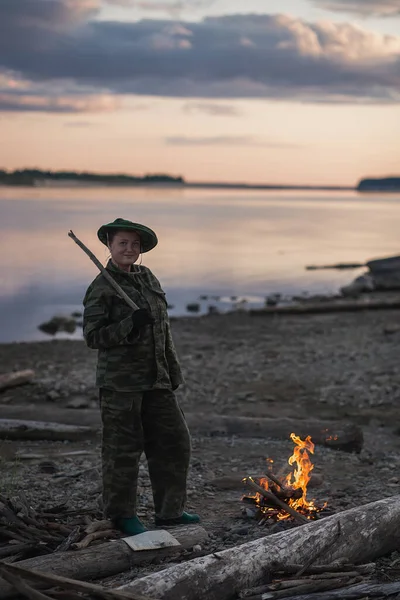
(335, 434)
(360, 535)
(9, 380)
(308, 308)
(106, 559)
(14, 429)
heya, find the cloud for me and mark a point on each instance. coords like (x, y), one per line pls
(380, 8)
(224, 140)
(172, 7)
(210, 108)
(236, 56)
(29, 102)
(78, 124)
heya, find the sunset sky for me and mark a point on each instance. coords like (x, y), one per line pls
(262, 91)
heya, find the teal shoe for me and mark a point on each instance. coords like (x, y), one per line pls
(184, 519)
(130, 526)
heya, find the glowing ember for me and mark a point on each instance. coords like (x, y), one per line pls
(294, 488)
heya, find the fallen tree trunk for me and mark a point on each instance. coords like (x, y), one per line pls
(105, 560)
(348, 437)
(89, 417)
(8, 380)
(360, 535)
(12, 429)
(327, 307)
(336, 435)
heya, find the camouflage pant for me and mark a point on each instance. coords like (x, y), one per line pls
(149, 422)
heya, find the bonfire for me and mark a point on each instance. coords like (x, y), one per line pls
(278, 499)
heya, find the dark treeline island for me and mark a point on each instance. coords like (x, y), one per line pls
(388, 184)
(38, 177)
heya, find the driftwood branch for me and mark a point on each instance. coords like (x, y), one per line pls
(104, 272)
(9, 380)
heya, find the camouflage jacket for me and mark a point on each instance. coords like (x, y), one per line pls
(130, 360)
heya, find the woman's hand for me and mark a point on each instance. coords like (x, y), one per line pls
(141, 318)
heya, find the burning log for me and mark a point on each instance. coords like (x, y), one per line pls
(366, 532)
(275, 501)
(347, 437)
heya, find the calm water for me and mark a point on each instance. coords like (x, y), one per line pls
(213, 242)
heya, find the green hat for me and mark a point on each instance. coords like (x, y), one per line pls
(147, 236)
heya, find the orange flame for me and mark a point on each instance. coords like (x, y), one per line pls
(302, 471)
(298, 479)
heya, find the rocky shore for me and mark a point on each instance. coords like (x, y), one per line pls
(341, 366)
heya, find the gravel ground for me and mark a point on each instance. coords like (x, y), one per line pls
(334, 366)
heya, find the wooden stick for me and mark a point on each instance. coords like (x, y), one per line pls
(306, 588)
(276, 501)
(21, 587)
(71, 539)
(71, 584)
(332, 568)
(355, 592)
(11, 549)
(104, 272)
(97, 535)
(275, 480)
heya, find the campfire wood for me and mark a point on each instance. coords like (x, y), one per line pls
(282, 491)
(367, 532)
(275, 501)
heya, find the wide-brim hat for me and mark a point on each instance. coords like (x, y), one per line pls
(148, 238)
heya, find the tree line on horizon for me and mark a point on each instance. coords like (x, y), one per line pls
(34, 176)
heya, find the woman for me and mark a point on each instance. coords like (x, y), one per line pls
(137, 373)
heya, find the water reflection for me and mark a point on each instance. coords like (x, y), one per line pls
(211, 242)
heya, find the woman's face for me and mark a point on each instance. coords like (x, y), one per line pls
(125, 248)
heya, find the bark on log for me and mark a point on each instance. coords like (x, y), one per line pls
(105, 560)
(16, 378)
(349, 436)
(366, 532)
(12, 429)
(327, 307)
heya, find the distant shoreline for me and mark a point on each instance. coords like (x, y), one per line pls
(65, 179)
